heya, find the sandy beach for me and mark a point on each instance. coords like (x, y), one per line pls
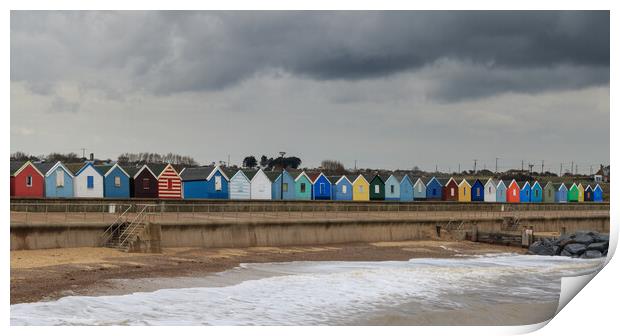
(53, 273)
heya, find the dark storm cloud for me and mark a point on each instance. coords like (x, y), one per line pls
(171, 52)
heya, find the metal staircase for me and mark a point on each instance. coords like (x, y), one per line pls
(124, 231)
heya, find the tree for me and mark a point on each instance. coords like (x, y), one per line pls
(250, 162)
(145, 157)
(21, 156)
(333, 166)
(264, 161)
(284, 162)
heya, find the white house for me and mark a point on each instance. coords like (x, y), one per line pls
(260, 186)
(88, 182)
(490, 191)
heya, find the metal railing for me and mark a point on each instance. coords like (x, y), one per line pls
(231, 212)
(115, 227)
(134, 228)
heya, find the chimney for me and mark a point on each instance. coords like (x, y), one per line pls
(92, 157)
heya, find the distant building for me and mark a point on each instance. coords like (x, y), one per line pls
(602, 175)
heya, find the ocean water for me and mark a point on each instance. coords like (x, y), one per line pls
(321, 293)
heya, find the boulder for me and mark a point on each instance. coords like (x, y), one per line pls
(592, 254)
(574, 248)
(602, 246)
(565, 253)
(585, 239)
(540, 248)
(601, 238)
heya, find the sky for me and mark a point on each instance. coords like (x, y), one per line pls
(383, 90)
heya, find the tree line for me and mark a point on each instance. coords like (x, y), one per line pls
(147, 157)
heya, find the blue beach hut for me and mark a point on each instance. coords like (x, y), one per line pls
(419, 189)
(561, 196)
(536, 193)
(501, 190)
(58, 179)
(321, 187)
(525, 193)
(434, 189)
(477, 191)
(287, 184)
(342, 189)
(597, 194)
(209, 182)
(239, 186)
(406, 189)
(392, 188)
(115, 181)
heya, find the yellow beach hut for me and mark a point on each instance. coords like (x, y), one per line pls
(361, 188)
(464, 191)
(581, 192)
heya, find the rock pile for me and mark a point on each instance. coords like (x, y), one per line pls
(581, 244)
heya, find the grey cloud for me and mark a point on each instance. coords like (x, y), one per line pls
(170, 52)
(61, 105)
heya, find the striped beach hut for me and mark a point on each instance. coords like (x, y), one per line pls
(392, 188)
(477, 191)
(561, 195)
(342, 189)
(58, 180)
(168, 180)
(419, 189)
(406, 188)
(549, 192)
(597, 193)
(361, 188)
(536, 194)
(464, 191)
(240, 185)
(501, 191)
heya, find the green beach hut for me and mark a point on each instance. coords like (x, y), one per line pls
(303, 186)
(549, 192)
(573, 193)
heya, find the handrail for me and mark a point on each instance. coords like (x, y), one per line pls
(105, 236)
(132, 226)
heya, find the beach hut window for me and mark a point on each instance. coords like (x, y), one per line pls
(514, 192)
(536, 193)
(117, 181)
(344, 189)
(477, 192)
(60, 179)
(434, 192)
(90, 182)
(146, 183)
(419, 188)
(218, 183)
(451, 191)
(489, 190)
(361, 188)
(285, 187)
(464, 192)
(303, 187)
(376, 189)
(29, 181)
(392, 189)
(322, 188)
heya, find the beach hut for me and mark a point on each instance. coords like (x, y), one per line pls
(321, 186)
(26, 180)
(525, 194)
(588, 194)
(597, 194)
(477, 191)
(239, 186)
(434, 189)
(392, 188)
(377, 187)
(501, 191)
(513, 192)
(58, 179)
(490, 191)
(303, 185)
(561, 195)
(361, 188)
(88, 181)
(342, 189)
(283, 187)
(115, 181)
(536, 194)
(451, 190)
(464, 191)
(261, 184)
(419, 189)
(143, 182)
(573, 193)
(406, 189)
(168, 180)
(194, 180)
(549, 192)
(581, 191)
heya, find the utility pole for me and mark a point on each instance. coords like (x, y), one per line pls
(436, 170)
(459, 168)
(542, 167)
(496, 159)
(560, 169)
(576, 169)
(571, 167)
(531, 166)
(228, 162)
(282, 176)
(522, 165)
(83, 152)
(475, 163)
(355, 166)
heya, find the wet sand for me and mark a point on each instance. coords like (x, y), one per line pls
(50, 274)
